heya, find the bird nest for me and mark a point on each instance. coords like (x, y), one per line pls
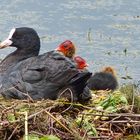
(108, 115)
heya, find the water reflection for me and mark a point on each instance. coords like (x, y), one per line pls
(101, 29)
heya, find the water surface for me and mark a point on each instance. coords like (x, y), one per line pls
(106, 32)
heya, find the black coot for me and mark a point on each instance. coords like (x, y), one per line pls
(38, 77)
(104, 80)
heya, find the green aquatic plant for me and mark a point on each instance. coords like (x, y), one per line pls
(47, 137)
(11, 117)
(132, 94)
(85, 123)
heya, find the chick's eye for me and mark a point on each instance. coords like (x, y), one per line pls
(65, 46)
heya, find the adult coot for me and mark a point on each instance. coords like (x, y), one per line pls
(27, 42)
(38, 77)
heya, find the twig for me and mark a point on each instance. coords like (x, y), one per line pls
(13, 132)
(38, 133)
(114, 115)
(5, 136)
(110, 121)
(119, 128)
(123, 121)
(55, 131)
(110, 128)
(60, 133)
(99, 137)
(133, 100)
(85, 135)
(39, 112)
(71, 98)
(9, 108)
(59, 122)
(82, 120)
(26, 125)
(65, 91)
(73, 133)
(35, 114)
(102, 129)
(86, 107)
(29, 97)
(72, 104)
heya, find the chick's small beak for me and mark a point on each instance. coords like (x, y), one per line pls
(58, 49)
(5, 43)
(86, 65)
(61, 49)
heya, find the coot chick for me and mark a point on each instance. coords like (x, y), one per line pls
(80, 62)
(68, 48)
(43, 76)
(104, 80)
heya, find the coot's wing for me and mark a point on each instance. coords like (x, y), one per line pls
(39, 77)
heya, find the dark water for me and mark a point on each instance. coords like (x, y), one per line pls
(106, 32)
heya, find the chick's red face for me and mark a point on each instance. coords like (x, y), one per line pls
(67, 48)
(81, 63)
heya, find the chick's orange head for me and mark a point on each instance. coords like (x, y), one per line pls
(67, 48)
(109, 69)
(81, 63)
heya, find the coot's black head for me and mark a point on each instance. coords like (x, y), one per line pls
(23, 38)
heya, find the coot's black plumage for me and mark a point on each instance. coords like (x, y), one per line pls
(104, 80)
(27, 42)
(40, 77)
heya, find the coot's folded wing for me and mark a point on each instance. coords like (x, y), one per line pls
(39, 77)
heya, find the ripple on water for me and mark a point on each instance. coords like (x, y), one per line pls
(105, 32)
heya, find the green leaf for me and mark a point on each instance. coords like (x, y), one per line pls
(11, 117)
(49, 137)
(123, 100)
(113, 100)
(111, 109)
(32, 137)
